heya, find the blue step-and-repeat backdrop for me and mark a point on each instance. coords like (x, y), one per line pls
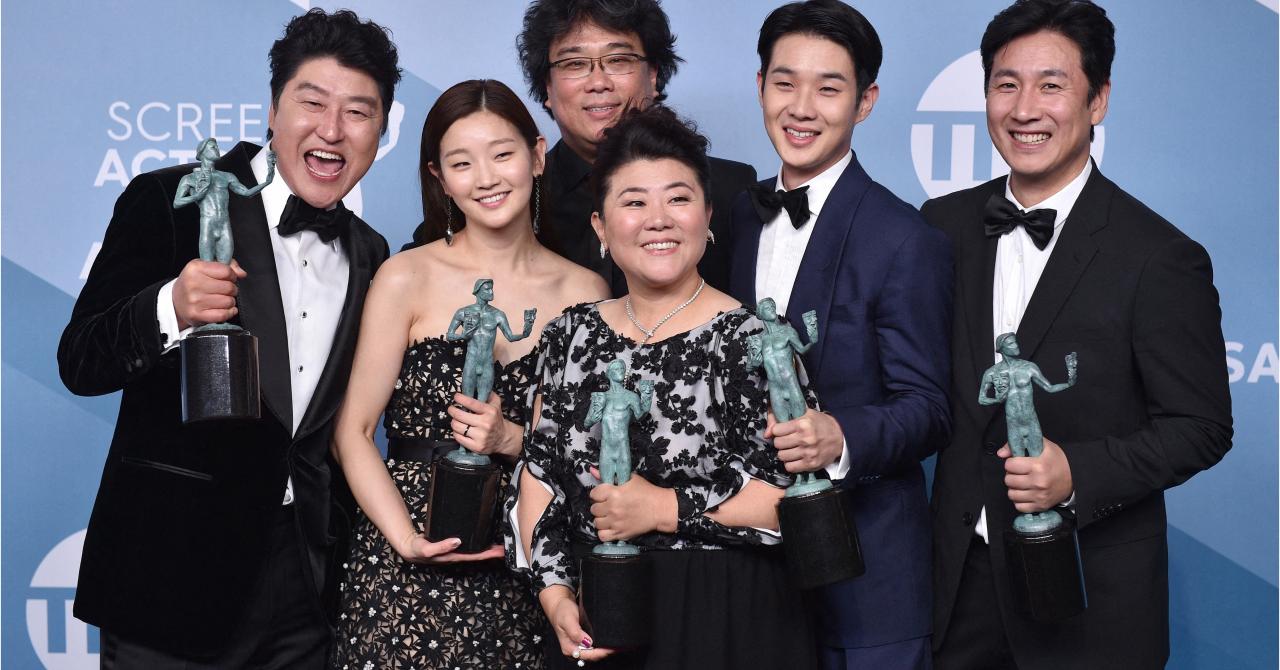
(98, 92)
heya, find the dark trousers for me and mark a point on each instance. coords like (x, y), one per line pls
(975, 635)
(910, 654)
(282, 626)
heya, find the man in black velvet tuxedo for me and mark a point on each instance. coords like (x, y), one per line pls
(1063, 257)
(208, 546)
(587, 62)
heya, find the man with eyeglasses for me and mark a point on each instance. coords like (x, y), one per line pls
(587, 62)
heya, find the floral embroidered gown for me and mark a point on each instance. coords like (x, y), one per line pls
(722, 598)
(396, 614)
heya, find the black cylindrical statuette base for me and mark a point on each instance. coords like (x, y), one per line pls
(615, 595)
(219, 375)
(819, 538)
(462, 504)
(1045, 573)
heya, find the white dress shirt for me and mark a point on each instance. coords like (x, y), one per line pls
(781, 249)
(313, 289)
(1019, 265)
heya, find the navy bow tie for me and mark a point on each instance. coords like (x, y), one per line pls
(1002, 216)
(769, 202)
(299, 216)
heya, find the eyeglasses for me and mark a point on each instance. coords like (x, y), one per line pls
(582, 66)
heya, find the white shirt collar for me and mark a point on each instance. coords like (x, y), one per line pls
(276, 195)
(820, 186)
(1061, 202)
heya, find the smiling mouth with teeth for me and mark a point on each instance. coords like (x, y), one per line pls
(803, 134)
(660, 246)
(491, 199)
(324, 163)
(1031, 138)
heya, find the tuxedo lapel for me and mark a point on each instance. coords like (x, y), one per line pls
(1071, 255)
(978, 274)
(746, 244)
(261, 310)
(337, 367)
(814, 288)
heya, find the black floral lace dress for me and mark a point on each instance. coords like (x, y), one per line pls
(722, 598)
(396, 614)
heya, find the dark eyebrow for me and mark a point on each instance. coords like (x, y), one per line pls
(361, 99)
(784, 70)
(678, 184)
(609, 48)
(500, 140)
(633, 189)
(1010, 72)
(308, 86)
(364, 100)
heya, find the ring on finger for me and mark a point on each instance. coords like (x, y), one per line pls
(466, 430)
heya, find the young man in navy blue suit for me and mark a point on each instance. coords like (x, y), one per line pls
(823, 236)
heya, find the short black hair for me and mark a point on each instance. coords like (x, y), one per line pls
(830, 20)
(1080, 21)
(652, 133)
(546, 21)
(359, 45)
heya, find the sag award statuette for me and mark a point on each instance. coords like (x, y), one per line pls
(1042, 551)
(464, 485)
(820, 540)
(615, 579)
(219, 360)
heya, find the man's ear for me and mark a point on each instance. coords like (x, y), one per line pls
(868, 102)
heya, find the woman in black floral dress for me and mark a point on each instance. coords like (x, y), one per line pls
(407, 602)
(702, 503)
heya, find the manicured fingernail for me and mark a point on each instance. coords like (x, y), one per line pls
(586, 642)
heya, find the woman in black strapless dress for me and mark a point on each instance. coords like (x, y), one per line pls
(407, 602)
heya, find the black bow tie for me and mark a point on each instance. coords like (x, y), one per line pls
(299, 216)
(769, 202)
(1002, 216)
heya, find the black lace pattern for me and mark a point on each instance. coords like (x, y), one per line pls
(396, 614)
(703, 437)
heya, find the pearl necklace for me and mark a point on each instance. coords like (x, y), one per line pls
(648, 332)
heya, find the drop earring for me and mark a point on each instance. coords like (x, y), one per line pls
(448, 224)
(537, 204)
(604, 251)
(711, 236)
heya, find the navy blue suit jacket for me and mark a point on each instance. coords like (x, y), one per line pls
(880, 280)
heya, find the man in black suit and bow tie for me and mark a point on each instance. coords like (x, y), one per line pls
(1059, 255)
(208, 544)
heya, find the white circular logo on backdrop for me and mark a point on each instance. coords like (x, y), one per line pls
(60, 640)
(952, 110)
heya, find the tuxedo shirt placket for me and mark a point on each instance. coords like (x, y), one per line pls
(780, 251)
(313, 286)
(313, 279)
(1019, 264)
(782, 245)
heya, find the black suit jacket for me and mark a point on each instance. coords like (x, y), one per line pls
(879, 279)
(1135, 298)
(568, 229)
(179, 530)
